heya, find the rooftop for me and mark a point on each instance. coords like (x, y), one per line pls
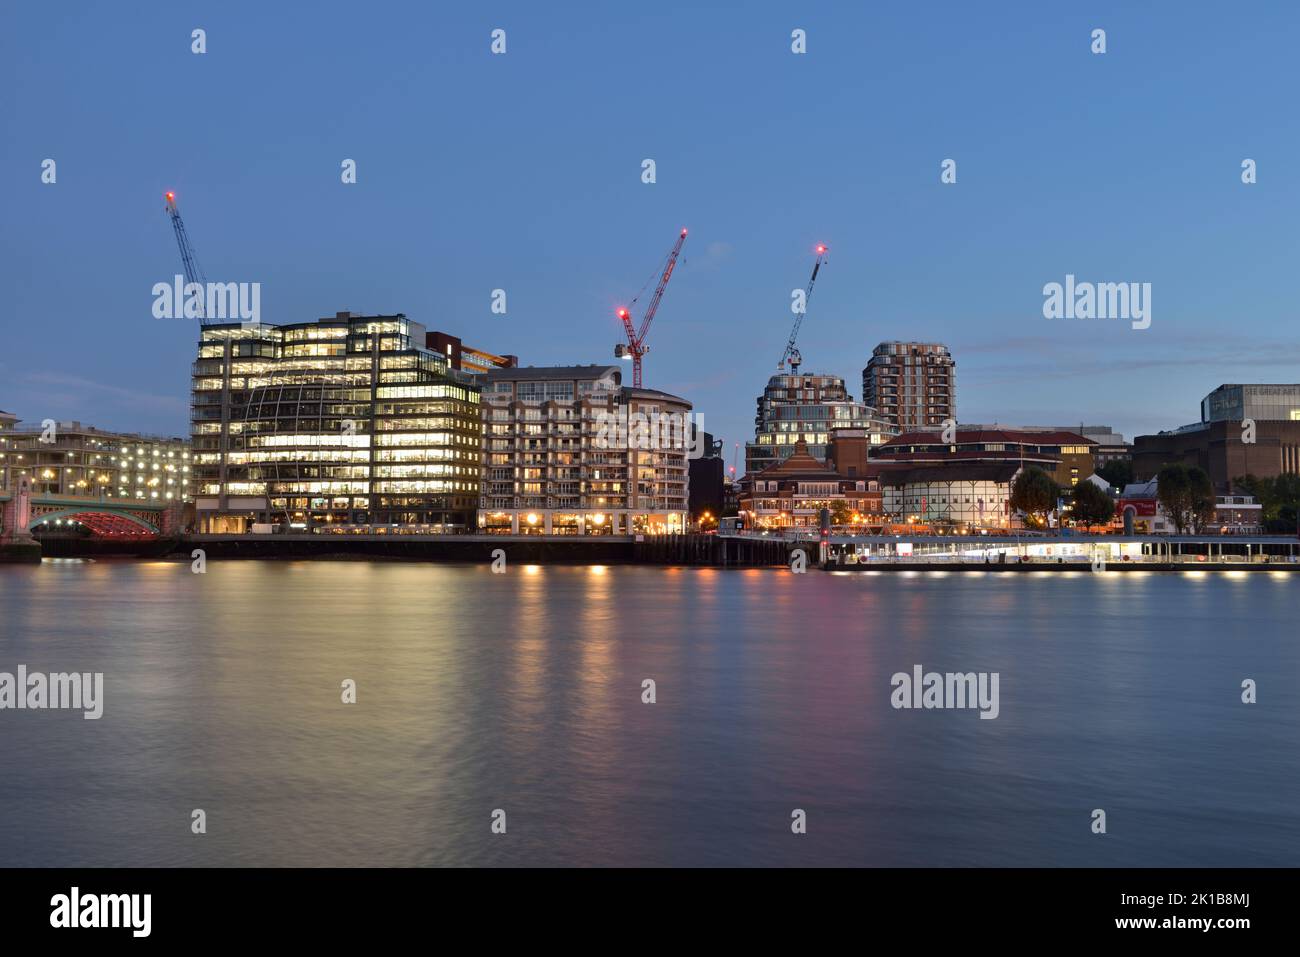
(536, 373)
(652, 394)
(799, 464)
(996, 472)
(968, 434)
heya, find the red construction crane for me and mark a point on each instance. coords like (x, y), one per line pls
(636, 347)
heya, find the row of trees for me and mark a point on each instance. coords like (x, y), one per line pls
(1186, 494)
(1035, 494)
(1279, 499)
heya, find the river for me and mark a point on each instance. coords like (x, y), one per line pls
(523, 693)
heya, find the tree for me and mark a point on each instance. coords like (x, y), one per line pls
(1202, 502)
(1117, 473)
(1174, 492)
(1279, 499)
(1186, 495)
(1091, 505)
(1034, 493)
(841, 512)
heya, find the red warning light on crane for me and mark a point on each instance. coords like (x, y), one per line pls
(171, 195)
(821, 248)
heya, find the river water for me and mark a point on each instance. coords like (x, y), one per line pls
(522, 692)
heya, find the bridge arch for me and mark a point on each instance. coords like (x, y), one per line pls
(100, 521)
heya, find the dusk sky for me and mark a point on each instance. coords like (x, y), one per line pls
(522, 172)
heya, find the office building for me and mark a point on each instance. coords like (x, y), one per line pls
(350, 422)
(911, 385)
(72, 459)
(1109, 445)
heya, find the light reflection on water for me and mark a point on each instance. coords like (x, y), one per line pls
(523, 691)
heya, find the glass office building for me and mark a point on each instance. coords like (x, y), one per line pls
(347, 424)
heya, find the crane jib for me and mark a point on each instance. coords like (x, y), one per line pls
(636, 347)
(791, 353)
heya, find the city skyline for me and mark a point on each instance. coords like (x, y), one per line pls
(842, 144)
(372, 376)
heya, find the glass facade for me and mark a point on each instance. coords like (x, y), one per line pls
(807, 408)
(347, 423)
(1263, 403)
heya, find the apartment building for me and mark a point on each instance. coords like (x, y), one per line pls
(808, 408)
(570, 450)
(911, 385)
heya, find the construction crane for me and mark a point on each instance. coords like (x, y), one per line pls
(791, 354)
(636, 347)
(193, 271)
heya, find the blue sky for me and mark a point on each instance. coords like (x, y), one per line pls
(522, 172)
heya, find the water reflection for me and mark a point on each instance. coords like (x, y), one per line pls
(523, 691)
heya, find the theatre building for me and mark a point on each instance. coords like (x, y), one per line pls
(1244, 430)
(966, 497)
(1066, 456)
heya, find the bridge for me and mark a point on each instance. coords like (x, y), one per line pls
(22, 510)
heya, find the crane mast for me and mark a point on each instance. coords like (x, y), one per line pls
(636, 346)
(791, 354)
(190, 261)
